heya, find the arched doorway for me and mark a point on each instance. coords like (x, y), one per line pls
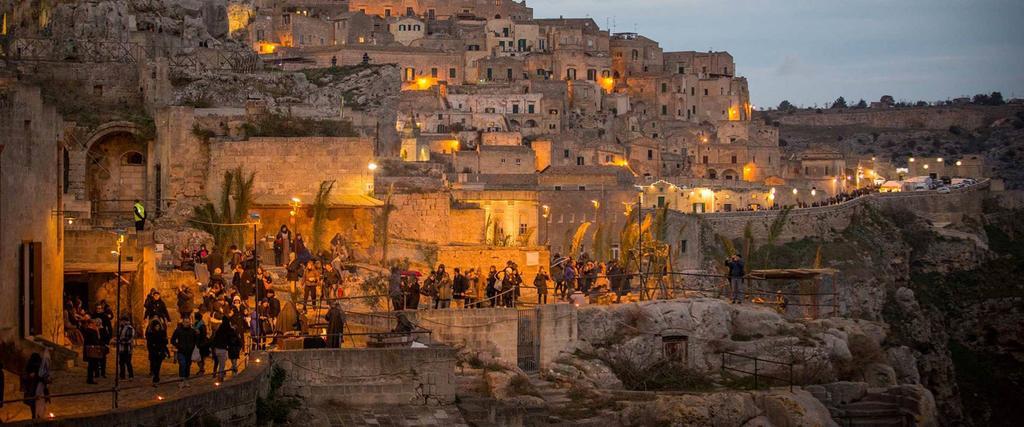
(115, 175)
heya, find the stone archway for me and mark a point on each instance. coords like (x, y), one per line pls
(115, 173)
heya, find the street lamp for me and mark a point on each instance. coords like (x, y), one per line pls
(117, 316)
(372, 166)
(546, 215)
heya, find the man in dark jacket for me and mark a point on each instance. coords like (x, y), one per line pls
(156, 308)
(736, 272)
(184, 341)
(215, 260)
(460, 284)
(335, 325)
(273, 309)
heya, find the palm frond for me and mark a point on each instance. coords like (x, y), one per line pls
(577, 238)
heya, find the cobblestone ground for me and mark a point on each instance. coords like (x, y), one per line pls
(447, 416)
(134, 393)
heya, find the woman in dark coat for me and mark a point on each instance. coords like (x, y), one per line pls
(282, 245)
(156, 345)
(335, 325)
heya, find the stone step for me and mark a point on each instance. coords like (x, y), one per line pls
(871, 405)
(870, 421)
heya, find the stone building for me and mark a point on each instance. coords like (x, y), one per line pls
(32, 221)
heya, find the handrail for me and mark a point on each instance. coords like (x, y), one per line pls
(757, 374)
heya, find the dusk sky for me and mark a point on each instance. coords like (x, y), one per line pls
(811, 51)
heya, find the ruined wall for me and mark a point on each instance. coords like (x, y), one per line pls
(30, 202)
(557, 331)
(295, 166)
(369, 376)
(184, 160)
(968, 117)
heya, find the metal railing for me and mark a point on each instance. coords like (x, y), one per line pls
(757, 374)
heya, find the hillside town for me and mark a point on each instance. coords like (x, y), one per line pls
(489, 217)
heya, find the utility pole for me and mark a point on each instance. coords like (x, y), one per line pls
(640, 243)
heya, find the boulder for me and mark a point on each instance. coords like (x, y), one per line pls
(879, 375)
(904, 363)
(526, 402)
(758, 421)
(843, 392)
(799, 408)
(497, 383)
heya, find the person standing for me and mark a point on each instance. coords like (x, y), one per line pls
(215, 261)
(93, 350)
(460, 284)
(541, 283)
(140, 215)
(310, 279)
(282, 246)
(294, 270)
(473, 294)
(155, 307)
(569, 278)
(412, 296)
(184, 342)
(335, 325)
(492, 282)
(558, 273)
(33, 384)
(395, 289)
(156, 346)
(444, 288)
(332, 280)
(736, 272)
(125, 341)
(273, 310)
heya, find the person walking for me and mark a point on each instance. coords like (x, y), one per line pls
(335, 325)
(125, 341)
(184, 342)
(540, 281)
(139, 212)
(569, 278)
(332, 281)
(223, 338)
(202, 342)
(736, 272)
(156, 346)
(33, 384)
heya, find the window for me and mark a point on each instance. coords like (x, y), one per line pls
(515, 108)
(661, 201)
(522, 229)
(591, 74)
(451, 73)
(734, 159)
(97, 90)
(727, 207)
(636, 54)
(650, 154)
(133, 158)
(664, 87)
(553, 112)
(552, 126)
(664, 110)
(675, 348)
(570, 74)
(409, 12)
(519, 162)
(490, 74)
(287, 19)
(430, 13)
(387, 12)
(508, 74)
(682, 246)
(682, 69)
(558, 188)
(433, 72)
(579, 161)
(615, 250)
(565, 153)
(705, 92)
(583, 188)
(260, 35)
(530, 109)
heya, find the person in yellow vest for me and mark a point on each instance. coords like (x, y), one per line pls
(140, 215)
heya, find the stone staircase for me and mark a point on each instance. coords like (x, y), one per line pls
(856, 404)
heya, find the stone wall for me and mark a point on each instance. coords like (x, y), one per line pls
(969, 117)
(369, 376)
(184, 159)
(30, 206)
(295, 166)
(491, 331)
(940, 208)
(557, 331)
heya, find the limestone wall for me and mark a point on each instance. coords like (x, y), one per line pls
(369, 376)
(295, 166)
(491, 331)
(184, 159)
(30, 202)
(557, 331)
(968, 117)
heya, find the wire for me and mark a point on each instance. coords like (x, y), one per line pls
(226, 224)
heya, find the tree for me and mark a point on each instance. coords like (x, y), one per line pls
(921, 104)
(320, 207)
(980, 99)
(996, 98)
(228, 221)
(887, 100)
(840, 103)
(862, 104)
(785, 105)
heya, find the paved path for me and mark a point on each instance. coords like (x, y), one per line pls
(136, 393)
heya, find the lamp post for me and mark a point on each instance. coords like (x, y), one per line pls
(117, 319)
(295, 203)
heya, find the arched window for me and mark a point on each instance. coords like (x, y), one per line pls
(133, 158)
(401, 27)
(636, 54)
(416, 27)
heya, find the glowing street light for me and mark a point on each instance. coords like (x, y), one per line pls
(372, 166)
(911, 160)
(959, 163)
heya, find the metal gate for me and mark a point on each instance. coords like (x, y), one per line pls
(528, 345)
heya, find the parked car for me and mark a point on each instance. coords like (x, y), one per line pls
(943, 189)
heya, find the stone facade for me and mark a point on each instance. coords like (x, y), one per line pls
(31, 216)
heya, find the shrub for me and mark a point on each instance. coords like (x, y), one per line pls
(276, 125)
